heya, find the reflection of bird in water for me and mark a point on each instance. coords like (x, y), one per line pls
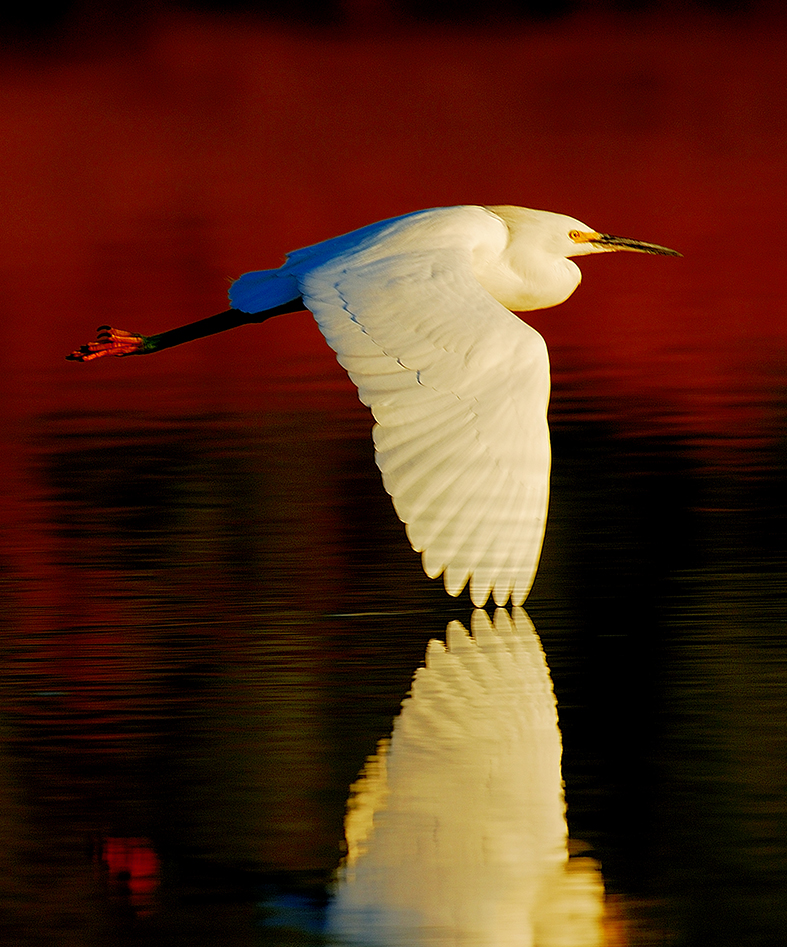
(456, 831)
(417, 310)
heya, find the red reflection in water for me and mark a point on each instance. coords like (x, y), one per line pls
(132, 869)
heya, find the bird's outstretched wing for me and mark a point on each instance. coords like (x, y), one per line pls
(459, 387)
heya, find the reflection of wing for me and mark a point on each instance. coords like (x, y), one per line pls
(458, 386)
(456, 832)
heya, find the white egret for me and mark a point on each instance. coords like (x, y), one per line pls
(456, 831)
(419, 312)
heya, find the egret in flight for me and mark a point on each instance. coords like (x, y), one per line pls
(419, 310)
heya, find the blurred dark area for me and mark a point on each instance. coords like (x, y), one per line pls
(47, 23)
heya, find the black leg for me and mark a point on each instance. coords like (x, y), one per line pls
(119, 342)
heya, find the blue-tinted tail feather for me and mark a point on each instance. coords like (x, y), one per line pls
(263, 289)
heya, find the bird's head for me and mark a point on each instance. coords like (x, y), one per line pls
(535, 270)
(580, 240)
(564, 236)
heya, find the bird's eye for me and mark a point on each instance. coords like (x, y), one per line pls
(574, 235)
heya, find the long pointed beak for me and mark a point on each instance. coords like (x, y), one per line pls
(607, 241)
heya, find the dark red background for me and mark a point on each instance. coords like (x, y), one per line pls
(138, 177)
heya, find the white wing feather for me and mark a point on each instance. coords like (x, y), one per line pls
(458, 386)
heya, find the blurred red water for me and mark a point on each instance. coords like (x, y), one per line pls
(138, 180)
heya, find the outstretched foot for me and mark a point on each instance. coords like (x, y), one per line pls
(110, 341)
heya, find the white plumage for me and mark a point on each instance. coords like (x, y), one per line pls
(457, 384)
(417, 310)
